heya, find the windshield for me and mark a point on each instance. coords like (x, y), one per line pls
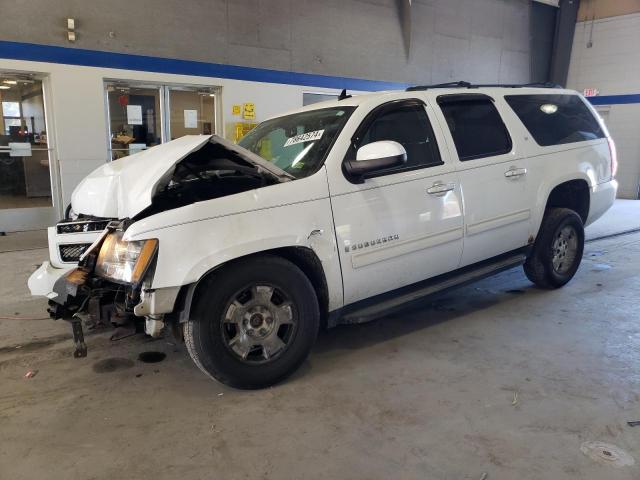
(298, 143)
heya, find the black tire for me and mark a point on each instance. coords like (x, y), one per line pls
(207, 334)
(539, 266)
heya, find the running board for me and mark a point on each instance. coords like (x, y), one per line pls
(392, 301)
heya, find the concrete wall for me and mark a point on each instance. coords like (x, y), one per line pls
(475, 40)
(612, 65)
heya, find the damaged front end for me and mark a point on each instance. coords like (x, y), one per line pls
(111, 285)
(106, 286)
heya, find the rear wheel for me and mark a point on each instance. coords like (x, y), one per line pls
(253, 323)
(558, 249)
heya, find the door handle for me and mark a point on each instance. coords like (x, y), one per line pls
(514, 172)
(440, 189)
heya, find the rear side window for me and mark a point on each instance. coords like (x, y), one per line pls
(475, 125)
(406, 123)
(555, 119)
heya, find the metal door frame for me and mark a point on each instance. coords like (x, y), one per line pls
(37, 218)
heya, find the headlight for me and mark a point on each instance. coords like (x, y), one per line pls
(125, 262)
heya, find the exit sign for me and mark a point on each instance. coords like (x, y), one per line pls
(590, 92)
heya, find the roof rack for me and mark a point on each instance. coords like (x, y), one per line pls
(463, 84)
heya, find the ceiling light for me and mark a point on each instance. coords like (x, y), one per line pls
(212, 94)
(4, 87)
(10, 82)
(549, 108)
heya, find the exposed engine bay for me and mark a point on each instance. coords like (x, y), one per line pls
(210, 172)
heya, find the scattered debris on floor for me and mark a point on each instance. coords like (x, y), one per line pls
(121, 333)
(484, 476)
(635, 423)
(31, 374)
(600, 267)
(516, 290)
(152, 357)
(597, 253)
(514, 402)
(607, 454)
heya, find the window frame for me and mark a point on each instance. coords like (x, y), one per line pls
(469, 97)
(368, 120)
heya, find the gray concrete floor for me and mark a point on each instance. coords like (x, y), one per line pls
(624, 215)
(425, 394)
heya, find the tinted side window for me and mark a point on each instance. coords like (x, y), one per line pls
(409, 126)
(475, 125)
(555, 119)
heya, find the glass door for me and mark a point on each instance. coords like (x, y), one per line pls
(141, 115)
(28, 199)
(191, 111)
(134, 117)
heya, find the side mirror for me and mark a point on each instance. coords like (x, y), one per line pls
(376, 156)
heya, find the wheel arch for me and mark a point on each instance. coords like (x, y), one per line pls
(303, 257)
(572, 193)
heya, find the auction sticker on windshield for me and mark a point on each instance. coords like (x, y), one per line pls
(304, 137)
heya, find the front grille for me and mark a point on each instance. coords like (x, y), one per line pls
(71, 252)
(82, 227)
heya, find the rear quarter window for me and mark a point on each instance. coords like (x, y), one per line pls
(555, 119)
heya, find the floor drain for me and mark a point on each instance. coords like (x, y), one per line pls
(606, 454)
(152, 357)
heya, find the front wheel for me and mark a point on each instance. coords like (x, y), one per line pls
(558, 249)
(253, 323)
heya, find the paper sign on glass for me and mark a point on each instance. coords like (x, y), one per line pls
(134, 114)
(19, 149)
(136, 147)
(190, 119)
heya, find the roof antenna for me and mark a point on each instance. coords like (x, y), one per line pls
(343, 94)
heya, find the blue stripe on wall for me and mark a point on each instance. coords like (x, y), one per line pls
(95, 58)
(614, 99)
(125, 61)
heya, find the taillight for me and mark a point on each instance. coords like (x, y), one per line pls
(614, 157)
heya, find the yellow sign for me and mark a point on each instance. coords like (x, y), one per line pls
(241, 129)
(249, 111)
(236, 109)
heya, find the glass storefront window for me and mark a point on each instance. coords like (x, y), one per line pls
(134, 118)
(192, 112)
(25, 180)
(144, 115)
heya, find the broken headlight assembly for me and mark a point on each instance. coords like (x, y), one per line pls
(125, 262)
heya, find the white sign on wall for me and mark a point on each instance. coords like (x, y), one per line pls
(134, 114)
(190, 119)
(590, 92)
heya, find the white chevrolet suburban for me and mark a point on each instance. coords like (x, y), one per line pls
(336, 213)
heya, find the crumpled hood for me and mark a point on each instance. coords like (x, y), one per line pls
(125, 187)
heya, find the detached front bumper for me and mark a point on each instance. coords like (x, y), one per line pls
(42, 281)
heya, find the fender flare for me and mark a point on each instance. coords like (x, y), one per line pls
(184, 301)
